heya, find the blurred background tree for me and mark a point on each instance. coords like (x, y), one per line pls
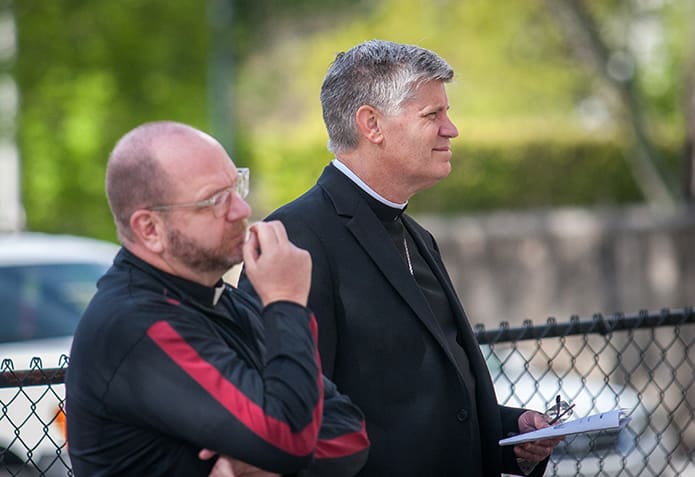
(87, 72)
(558, 103)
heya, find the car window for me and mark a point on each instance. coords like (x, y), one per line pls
(44, 301)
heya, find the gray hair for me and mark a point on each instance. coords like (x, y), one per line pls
(378, 73)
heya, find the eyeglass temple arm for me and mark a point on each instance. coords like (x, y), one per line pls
(557, 418)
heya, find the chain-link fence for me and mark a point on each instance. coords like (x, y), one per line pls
(644, 363)
(32, 420)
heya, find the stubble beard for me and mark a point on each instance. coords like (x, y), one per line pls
(208, 260)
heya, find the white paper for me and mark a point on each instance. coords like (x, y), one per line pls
(604, 421)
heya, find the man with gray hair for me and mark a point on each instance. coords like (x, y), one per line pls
(392, 332)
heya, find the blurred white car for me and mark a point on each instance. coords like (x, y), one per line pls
(45, 283)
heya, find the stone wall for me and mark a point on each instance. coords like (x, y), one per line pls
(513, 267)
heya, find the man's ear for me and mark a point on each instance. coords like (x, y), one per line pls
(367, 118)
(148, 230)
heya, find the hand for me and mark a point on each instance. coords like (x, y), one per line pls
(535, 451)
(277, 269)
(228, 467)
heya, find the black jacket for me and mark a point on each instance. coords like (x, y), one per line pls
(159, 371)
(381, 344)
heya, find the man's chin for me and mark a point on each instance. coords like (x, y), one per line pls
(237, 238)
(235, 256)
(441, 171)
(444, 170)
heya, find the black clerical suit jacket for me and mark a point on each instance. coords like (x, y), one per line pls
(381, 344)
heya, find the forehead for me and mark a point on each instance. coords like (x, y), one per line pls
(195, 161)
(429, 93)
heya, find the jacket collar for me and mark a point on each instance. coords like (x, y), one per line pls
(174, 287)
(350, 203)
(361, 220)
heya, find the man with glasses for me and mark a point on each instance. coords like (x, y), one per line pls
(172, 371)
(392, 333)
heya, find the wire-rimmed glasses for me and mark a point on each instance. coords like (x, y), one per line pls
(220, 201)
(559, 411)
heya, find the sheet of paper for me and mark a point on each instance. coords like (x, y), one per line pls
(604, 421)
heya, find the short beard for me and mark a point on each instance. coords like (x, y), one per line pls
(201, 260)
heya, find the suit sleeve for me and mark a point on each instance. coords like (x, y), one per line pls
(510, 424)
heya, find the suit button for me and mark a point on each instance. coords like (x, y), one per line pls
(461, 415)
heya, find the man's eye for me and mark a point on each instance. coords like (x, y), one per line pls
(220, 199)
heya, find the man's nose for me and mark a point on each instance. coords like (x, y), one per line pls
(448, 129)
(240, 209)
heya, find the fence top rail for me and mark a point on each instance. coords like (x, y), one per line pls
(36, 375)
(597, 324)
(31, 377)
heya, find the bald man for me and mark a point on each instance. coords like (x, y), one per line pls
(175, 372)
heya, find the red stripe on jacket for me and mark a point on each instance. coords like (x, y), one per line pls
(268, 428)
(343, 446)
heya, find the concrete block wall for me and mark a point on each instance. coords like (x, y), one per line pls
(517, 266)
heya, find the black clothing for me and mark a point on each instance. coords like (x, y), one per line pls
(385, 338)
(162, 367)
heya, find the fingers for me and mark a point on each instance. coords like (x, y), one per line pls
(224, 467)
(206, 454)
(535, 451)
(531, 420)
(250, 249)
(277, 269)
(263, 235)
(270, 233)
(540, 421)
(229, 467)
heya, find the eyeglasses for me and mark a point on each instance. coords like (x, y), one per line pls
(560, 411)
(221, 200)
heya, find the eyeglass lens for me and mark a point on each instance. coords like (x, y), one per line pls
(559, 411)
(222, 201)
(242, 182)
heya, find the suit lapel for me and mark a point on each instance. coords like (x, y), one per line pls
(375, 241)
(373, 238)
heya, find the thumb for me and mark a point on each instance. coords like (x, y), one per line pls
(206, 454)
(250, 249)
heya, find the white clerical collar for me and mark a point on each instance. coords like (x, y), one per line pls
(361, 184)
(218, 294)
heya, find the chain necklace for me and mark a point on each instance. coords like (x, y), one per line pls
(407, 256)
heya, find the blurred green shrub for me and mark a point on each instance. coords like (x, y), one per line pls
(485, 176)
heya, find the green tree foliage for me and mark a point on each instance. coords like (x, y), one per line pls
(89, 71)
(536, 127)
(522, 100)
